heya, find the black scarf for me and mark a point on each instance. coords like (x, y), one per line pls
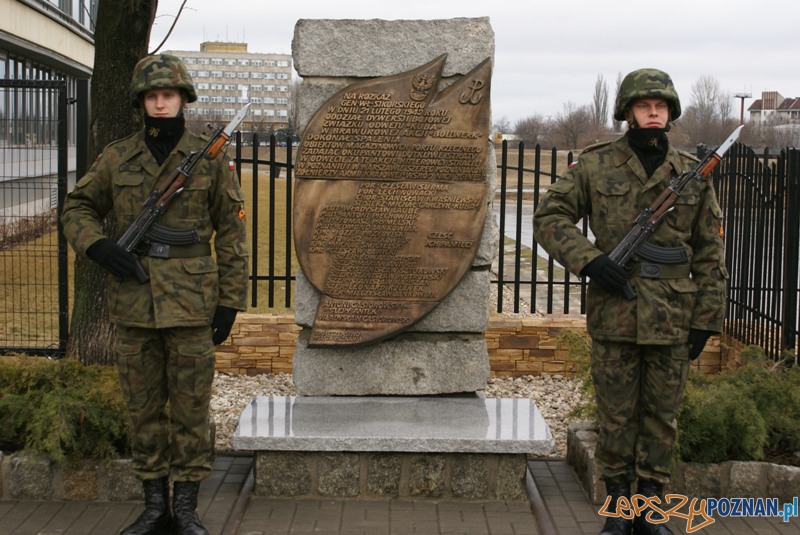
(161, 134)
(650, 146)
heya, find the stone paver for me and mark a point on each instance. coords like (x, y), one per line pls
(228, 507)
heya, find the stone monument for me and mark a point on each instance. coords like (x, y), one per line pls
(391, 223)
(394, 175)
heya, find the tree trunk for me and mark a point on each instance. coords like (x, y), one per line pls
(121, 38)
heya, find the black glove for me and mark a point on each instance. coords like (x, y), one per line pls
(697, 341)
(112, 257)
(222, 323)
(610, 275)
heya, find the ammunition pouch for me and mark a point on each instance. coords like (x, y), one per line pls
(172, 236)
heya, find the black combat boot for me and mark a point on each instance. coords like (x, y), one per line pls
(617, 488)
(649, 488)
(154, 520)
(184, 503)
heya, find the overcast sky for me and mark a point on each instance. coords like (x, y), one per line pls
(548, 53)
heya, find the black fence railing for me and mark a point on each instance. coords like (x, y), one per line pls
(759, 195)
(33, 184)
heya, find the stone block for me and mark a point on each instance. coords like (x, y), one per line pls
(383, 474)
(282, 474)
(510, 483)
(30, 478)
(744, 479)
(469, 476)
(784, 482)
(80, 480)
(701, 480)
(338, 474)
(326, 47)
(410, 364)
(121, 484)
(427, 476)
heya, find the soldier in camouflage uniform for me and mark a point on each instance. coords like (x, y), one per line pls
(167, 328)
(641, 348)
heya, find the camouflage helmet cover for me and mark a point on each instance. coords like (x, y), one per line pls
(159, 71)
(644, 83)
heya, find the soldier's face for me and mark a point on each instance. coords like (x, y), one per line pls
(650, 112)
(162, 102)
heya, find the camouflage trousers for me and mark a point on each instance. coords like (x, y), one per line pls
(166, 377)
(639, 390)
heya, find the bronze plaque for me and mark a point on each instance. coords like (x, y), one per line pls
(390, 199)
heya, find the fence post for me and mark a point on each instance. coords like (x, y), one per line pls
(791, 252)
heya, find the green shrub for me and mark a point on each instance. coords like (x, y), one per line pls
(733, 415)
(62, 409)
(716, 424)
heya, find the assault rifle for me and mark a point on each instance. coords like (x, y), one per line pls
(156, 204)
(634, 246)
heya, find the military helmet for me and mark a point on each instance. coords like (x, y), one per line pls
(646, 83)
(159, 71)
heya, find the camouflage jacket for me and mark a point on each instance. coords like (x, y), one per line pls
(181, 291)
(610, 186)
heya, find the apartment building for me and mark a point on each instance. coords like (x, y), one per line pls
(227, 76)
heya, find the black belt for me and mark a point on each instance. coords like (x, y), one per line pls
(647, 270)
(161, 250)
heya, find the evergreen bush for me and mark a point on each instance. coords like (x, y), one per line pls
(62, 409)
(733, 415)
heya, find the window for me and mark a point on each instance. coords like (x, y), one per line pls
(202, 85)
(203, 61)
(283, 76)
(190, 61)
(217, 87)
(231, 87)
(216, 74)
(269, 100)
(230, 100)
(282, 88)
(256, 75)
(193, 74)
(269, 63)
(269, 75)
(269, 88)
(216, 99)
(244, 62)
(255, 87)
(243, 100)
(230, 74)
(228, 112)
(256, 63)
(256, 100)
(269, 113)
(243, 74)
(202, 98)
(282, 63)
(283, 113)
(203, 74)
(230, 62)
(216, 61)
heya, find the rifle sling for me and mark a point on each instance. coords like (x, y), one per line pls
(648, 270)
(161, 250)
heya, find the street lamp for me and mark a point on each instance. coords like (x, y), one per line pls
(742, 96)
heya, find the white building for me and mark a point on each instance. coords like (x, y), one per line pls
(226, 77)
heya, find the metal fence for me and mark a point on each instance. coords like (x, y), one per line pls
(33, 261)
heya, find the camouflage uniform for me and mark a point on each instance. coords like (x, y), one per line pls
(164, 347)
(640, 353)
